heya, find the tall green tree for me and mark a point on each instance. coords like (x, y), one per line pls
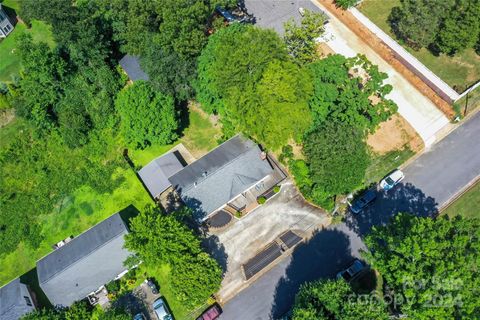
(461, 28)
(351, 91)
(337, 157)
(146, 116)
(160, 239)
(234, 60)
(431, 264)
(417, 22)
(282, 112)
(41, 84)
(300, 39)
(330, 299)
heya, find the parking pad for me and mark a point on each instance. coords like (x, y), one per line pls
(290, 239)
(261, 260)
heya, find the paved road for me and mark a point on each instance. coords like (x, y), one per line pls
(431, 180)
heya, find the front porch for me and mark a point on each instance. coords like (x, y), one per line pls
(249, 199)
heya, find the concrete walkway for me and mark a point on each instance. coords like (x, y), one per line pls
(418, 110)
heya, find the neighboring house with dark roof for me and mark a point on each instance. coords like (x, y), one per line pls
(231, 177)
(85, 264)
(15, 300)
(131, 65)
(6, 25)
(155, 174)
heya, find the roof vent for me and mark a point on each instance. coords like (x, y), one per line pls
(204, 174)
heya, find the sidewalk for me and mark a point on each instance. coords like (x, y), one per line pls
(417, 109)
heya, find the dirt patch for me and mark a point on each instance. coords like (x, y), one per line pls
(323, 50)
(214, 119)
(394, 134)
(388, 55)
(6, 116)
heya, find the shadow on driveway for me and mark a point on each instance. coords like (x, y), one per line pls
(327, 252)
(402, 198)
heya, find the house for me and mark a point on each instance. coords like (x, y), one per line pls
(15, 300)
(6, 25)
(231, 177)
(82, 266)
(131, 66)
(155, 175)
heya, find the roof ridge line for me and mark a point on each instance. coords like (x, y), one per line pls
(221, 167)
(77, 260)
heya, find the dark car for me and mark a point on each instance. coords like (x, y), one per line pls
(152, 286)
(361, 202)
(211, 313)
(235, 15)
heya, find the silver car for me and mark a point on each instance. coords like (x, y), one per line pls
(161, 310)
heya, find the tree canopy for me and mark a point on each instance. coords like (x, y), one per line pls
(78, 311)
(300, 39)
(330, 299)
(351, 91)
(336, 160)
(147, 116)
(160, 239)
(431, 264)
(447, 26)
(245, 75)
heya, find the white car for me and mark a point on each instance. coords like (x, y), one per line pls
(391, 180)
(161, 310)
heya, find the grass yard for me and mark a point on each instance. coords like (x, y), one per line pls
(383, 164)
(467, 205)
(10, 63)
(85, 207)
(460, 71)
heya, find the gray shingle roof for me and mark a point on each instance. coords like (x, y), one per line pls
(155, 174)
(12, 304)
(87, 262)
(131, 65)
(221, 175)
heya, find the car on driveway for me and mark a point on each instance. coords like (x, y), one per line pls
(363, 200)
(139, 316)
(161, 310)
(355, 268)
(391, 180)
(211, 313)
(152, 286)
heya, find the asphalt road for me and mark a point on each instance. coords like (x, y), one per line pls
(431, 180)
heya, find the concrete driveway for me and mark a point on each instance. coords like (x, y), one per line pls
(418, 110)
(243, 239)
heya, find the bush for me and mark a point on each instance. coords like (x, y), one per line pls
(261, 200)
(345, 4)
(276, 189)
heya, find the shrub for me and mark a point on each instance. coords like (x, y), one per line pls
(276, 189)
(261, 200)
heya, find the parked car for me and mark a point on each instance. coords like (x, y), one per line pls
(152, 286)
(363, 200)
(161, 310)
(355, 268)
(211, 313)
(391, 180)
(139, 316)
(235, 15)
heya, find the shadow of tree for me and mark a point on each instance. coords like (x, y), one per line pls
(403, 198)
(327, 252)
(217, 250)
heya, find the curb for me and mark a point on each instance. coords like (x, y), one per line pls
(459, 194)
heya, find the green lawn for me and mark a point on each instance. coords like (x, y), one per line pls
(10, 63)
(86, 207)
(382, 164)
(468, 205)
(460, 71)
